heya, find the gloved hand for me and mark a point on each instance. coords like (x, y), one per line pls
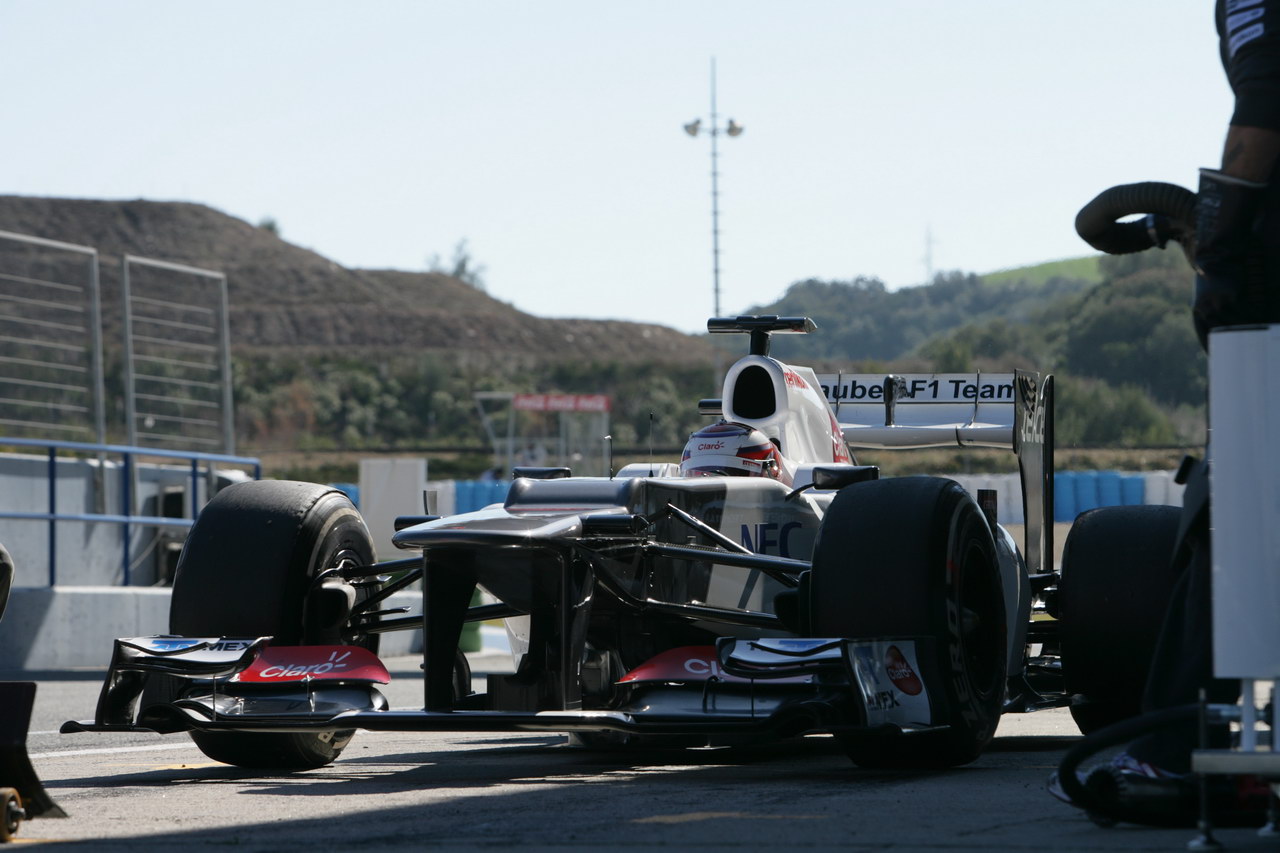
(1230, 280)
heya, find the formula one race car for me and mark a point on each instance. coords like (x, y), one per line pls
(766, 587)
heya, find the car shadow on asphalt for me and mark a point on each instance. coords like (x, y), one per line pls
(486, 762)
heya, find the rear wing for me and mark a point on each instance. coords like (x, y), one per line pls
(923, 410)
(1012, 411)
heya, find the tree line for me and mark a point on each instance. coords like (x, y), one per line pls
(1129, 370)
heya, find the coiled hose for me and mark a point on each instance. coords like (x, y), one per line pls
(1170, 215)
(1113, 735)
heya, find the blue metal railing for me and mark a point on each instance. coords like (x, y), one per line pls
(127, 519)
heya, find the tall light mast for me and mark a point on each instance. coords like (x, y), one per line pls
(732, 128)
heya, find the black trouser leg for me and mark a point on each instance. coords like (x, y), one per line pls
(1183, 659)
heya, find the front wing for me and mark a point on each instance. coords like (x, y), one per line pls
(766, 687)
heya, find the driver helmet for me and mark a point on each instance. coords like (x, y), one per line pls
(732, 450)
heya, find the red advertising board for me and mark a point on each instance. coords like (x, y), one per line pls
(561, 402)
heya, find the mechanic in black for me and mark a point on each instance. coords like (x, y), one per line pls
(1237, 254)
(1237, 260)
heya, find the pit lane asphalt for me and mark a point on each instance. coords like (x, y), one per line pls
(396, 791)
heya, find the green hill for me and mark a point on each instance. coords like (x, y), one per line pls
(1082, 269)
(861, 320)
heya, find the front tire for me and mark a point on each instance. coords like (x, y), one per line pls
(245, 571)
(914, 556)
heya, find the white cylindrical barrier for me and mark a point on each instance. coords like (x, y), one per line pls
(1156, 484)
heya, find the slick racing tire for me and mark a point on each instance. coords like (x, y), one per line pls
(1117, 573)
(245, 571)
(915, 557)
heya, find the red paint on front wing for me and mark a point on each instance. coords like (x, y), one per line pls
(687, 663)
(280, 664)
(696, 664)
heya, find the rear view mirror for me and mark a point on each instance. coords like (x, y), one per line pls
(839, 476)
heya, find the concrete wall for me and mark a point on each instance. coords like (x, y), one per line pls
(66, 627)
(72, 627)
(390, 488)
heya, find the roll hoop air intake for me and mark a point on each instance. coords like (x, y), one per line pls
(1170, 215)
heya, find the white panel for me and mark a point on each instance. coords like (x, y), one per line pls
(886, 674)
(388, 488)
(1244, 413)
(445, 496)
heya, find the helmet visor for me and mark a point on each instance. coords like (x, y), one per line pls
(722, 464)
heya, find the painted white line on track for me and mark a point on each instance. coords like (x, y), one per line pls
(107, 750)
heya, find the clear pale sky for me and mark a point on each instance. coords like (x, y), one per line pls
(548, 134)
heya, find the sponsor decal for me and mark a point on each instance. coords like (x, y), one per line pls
(199, 649)
(294, 669)
(1032, 428)
(1244, 36)
(707, 445)
(876, 696)
(900, 672)
(892, 692)
(166, 645)
(839, 450)
(769, 537)
(1031, 414)
(303, 663)
(793, 380)
(920, 388)
(230, 645)
(841, 392)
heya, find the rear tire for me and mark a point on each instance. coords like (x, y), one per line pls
(1117, 573)
(245, 571)
(914, 556)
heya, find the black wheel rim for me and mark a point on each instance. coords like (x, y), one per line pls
(981, 618)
